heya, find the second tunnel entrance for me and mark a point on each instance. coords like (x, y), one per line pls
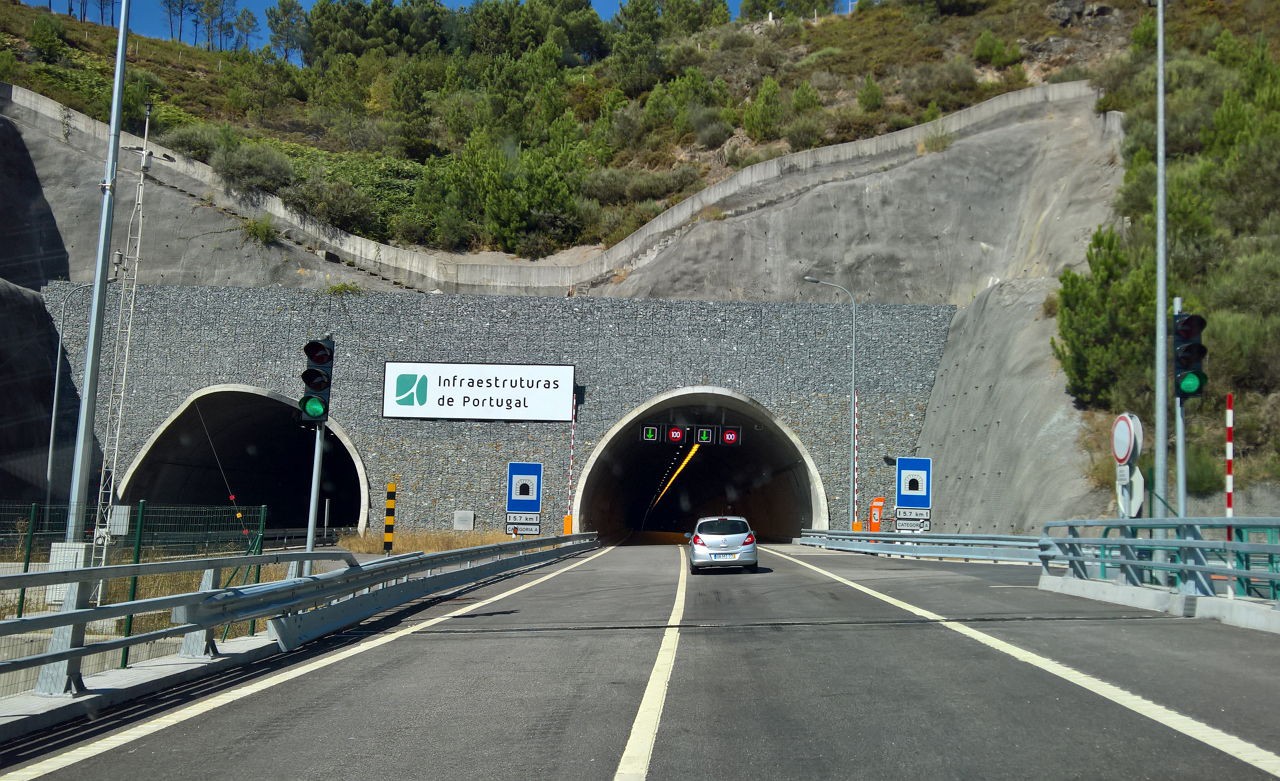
(645, 477)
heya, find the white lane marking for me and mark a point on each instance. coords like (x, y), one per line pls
(90, 750)
(634, 765)
(1228, 744)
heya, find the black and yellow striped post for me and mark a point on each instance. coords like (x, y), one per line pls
(389, 529)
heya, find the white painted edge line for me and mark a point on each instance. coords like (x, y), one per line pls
(634, 765)
(129, 735)
(1228, 744)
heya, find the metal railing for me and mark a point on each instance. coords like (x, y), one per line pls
(77, 640)
(1148, 552)
(1183, 558)
(967, 547)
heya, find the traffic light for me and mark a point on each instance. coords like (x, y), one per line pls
(1188, 356)
(318, 376)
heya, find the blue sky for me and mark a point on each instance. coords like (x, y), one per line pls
(146, 17)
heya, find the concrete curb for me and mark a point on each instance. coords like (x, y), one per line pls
(1243, 613)
(24, 714)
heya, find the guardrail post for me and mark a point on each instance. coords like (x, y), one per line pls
(58, 678)
(1127, 551)
(200, 644)
(1199, 580)
(1078, 569)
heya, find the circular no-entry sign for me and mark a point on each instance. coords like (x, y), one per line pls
(1126, 438)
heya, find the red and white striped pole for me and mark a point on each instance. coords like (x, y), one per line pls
(1230, 482)
(1230, 458)
(573, 430)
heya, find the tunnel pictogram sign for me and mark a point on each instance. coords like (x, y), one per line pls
(524, 488)
(915, 484)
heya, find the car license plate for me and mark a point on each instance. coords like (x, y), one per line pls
(721, 556)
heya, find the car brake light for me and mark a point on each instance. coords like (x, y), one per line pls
(698, 540)
(750, 540)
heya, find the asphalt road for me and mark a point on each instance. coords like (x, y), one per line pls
(822, 665)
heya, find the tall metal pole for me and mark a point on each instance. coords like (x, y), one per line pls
(1161, 486)
(853, 397)
(63, 677)
(315, 497)
(83, 462)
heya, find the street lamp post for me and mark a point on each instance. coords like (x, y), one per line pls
(57, 387)
(853, 397)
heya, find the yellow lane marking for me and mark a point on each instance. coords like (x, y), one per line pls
(1228, 744)
(634, 765)
(103, 745)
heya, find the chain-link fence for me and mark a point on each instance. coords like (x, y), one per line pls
(34, 539)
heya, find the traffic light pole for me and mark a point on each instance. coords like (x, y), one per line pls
(313, 510)
(1179, 439)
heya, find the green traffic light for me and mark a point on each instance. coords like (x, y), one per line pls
(1190, 383)
(312, 407)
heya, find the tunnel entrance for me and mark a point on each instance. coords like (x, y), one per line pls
(694, 452)
(244, 441)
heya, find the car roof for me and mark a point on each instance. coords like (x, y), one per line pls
(722, 518)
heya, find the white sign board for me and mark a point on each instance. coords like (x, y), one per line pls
(912, 512)
(524, 523)
(477, 391)
(911, 525)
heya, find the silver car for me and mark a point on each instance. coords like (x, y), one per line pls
(722, 541)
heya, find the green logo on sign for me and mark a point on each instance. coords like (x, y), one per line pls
(411, 390)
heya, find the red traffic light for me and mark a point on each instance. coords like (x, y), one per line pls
(1188, 327)
(319, 351)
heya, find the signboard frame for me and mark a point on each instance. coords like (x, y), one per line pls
(535, 393)
(518, 471)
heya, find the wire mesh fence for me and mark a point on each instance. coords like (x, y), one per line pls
(34, 539)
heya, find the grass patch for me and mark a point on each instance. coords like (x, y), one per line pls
(261, 230)
(344, 289)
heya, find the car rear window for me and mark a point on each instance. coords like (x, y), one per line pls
(724, 526)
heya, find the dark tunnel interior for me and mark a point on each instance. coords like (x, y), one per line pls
(250, 446)
(637, 484)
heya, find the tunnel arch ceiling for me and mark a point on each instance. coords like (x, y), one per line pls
(251, 437)
(768, 477)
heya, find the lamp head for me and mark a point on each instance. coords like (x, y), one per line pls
(808, 278)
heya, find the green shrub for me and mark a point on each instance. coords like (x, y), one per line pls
(763, 118)
(608, 185)
(198, 141)
(870, 97)
(336, 203)
(8, 65)
(48, 38)
(937, 142)
(714, 135)
(932, 112)
(252, 169)
(804, 133)
(261, 230)
(805, 98)
(990, 50)
(344, 289)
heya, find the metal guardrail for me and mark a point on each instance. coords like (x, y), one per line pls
(298, 609)
(1106, 548)
(1183, 556)
(969, 547)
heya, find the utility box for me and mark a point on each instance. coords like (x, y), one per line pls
(65, 556)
